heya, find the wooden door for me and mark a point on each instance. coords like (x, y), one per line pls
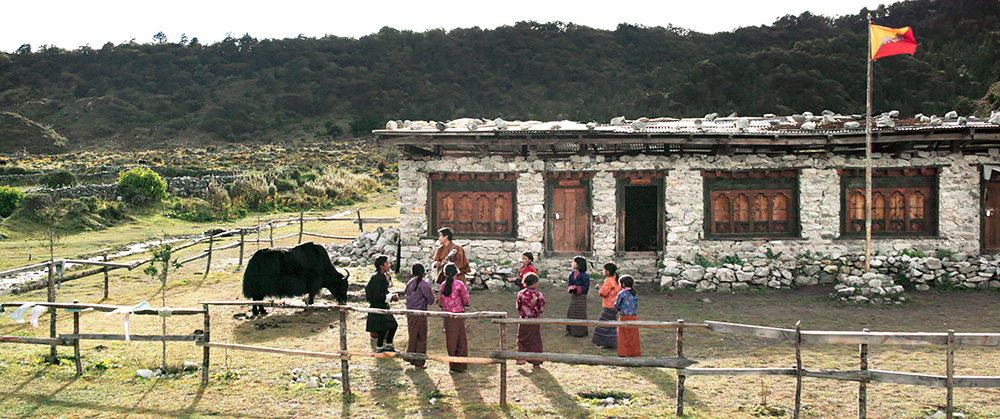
(569, 217)
(990, 215)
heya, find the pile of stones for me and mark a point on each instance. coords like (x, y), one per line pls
(359, 252)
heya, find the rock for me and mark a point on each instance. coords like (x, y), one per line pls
(852, 125)
(694, 274)
(846, 291)
(684, 284)
(932, 263)
(741, 286)
(191, 366)
(951, 115)
(725, 275)
(147, 374)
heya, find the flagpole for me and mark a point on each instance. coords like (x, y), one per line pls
(868, 158)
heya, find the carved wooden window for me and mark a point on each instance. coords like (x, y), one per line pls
(751, 204)
(904, 202)
(473, 204)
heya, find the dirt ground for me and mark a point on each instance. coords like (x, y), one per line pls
(250, 384)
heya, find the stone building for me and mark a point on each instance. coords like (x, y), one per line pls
(661, 196)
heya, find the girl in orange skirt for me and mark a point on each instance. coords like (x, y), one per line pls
(627, 306)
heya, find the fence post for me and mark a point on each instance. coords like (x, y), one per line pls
(503, 366)
(206, 338)
(105, 278)
(208, 264)
(950, 368)
(863, 386)
(680, 374)
(301, 222)
(798, 368)
(344, 365)
(361, 225)
(242, 233)
(52, 313)
(270, 232)
(76, 342)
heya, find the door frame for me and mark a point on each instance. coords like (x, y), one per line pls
(552, 180)
(628, 179)
(982, 211)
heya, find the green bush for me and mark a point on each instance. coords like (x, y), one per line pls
(34, 206)
(58, 179)
(9, 199)
(200, 210)
(252, 192)
(141, 186)
(88, 213)
(342, 187)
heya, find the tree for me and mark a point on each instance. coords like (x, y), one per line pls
(160, 37)
(9, 199)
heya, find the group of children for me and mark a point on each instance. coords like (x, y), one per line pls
(618, 299)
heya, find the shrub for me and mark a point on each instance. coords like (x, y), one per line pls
(141, 186)
(199, 210)
(342, 187)
(58, 179)
(251, 192)
(34, 206)
(9, 199)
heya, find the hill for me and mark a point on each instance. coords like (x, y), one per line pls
(18, 133)
(134, 95)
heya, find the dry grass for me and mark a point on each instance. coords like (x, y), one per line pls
(259, 385)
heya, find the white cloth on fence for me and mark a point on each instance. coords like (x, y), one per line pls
(128, 312)
(18, 315)
(36, 312)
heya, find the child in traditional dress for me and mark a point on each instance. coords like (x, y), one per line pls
(530, 305)
(418, 296)
(579, 284)
(526, 268)
(453, 299)
(378, 296)
(627, 306)
(607, 337)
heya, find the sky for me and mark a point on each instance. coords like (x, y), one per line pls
(71, 24)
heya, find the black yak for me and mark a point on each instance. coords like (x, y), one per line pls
(303, 269)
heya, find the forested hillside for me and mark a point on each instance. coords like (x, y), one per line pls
(136, 95)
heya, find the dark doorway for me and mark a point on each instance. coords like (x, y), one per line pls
(640, 205)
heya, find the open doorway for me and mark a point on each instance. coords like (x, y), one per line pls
(640, 207)
(640, 212)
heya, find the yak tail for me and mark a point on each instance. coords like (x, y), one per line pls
(348, 276)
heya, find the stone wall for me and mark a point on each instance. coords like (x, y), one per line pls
(819, 203)
(176, 186)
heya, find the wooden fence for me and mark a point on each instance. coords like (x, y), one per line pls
(797, 337)
(57, 267)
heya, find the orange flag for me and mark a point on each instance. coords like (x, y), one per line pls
(891, 41)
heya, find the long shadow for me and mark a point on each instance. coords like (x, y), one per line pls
(386, 386)
(190, 409)
(564, 402)
(124, 411)
(31, 412)
(280, 323)
(467, 388)
(668, 384)
(427, 388)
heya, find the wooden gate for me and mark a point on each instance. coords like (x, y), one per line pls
(568, 213)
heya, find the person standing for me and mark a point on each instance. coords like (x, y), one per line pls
(418, 296)
(447, 252)
(607, 337)
(530, 305)
(579, 284)
(453, 299)
(378, 296)
(526, 268)
(628, 306)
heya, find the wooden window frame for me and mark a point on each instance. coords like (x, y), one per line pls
(770, 183)
(640, 178)
(503, 183)
(886, 183)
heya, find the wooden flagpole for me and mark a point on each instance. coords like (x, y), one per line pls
(868, 157)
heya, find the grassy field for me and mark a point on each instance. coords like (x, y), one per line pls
(250, 384)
